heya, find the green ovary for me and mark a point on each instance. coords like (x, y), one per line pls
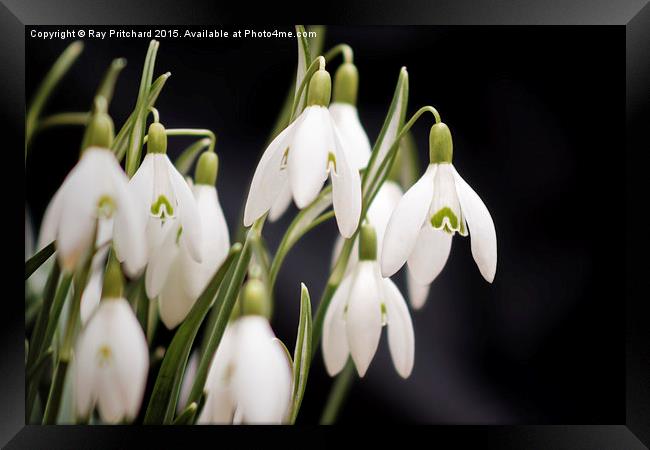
(162, 207)
(450, 225)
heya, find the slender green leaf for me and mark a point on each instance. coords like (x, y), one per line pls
(302, 353)
(121, 141)
(38, 259)
(47, 86)
(137, 133)
(304, 60)
(164, 396)
(107, 85)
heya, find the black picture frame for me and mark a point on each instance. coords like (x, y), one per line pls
(633, 15)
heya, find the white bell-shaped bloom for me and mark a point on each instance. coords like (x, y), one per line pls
(422, 225)
(346, 118)
(96, 190)
(165, 197)
(250, 378)
(300, 159)
(173, 273)
(110, 363)
(378, 216)
(363, 303)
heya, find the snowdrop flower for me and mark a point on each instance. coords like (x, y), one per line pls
(172, 274)
(96, 190)
(250, 377)
(111, 358)
(439, 205)
(363, 303)
(343, 110)
(164, 196)
(378, 215)
(301, 158)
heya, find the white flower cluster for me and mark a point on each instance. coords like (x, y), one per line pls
(170, 232)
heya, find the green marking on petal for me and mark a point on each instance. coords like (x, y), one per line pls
(331, 158)
(162, 208)
(178, 234)
(285, 159)
(439, 223)
(104, 355)
(384, 315)
(106, 207)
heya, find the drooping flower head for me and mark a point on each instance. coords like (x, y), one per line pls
(95, 194)
(164, 196)
(435, 208)
(250, 379)
(111, 357)
(173, 275)
(363, 303)
(302, 157)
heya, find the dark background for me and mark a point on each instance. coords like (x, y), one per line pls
(537, 118)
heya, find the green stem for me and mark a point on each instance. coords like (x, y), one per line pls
(64, 119)
(344, 49)
(190, 132)
(56, 73)
(318, 63)
(56, 389)
(338, 394)
(36, 261)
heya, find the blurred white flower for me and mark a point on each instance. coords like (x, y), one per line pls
(96, 190)
(363, 303)
(426, 218)
(300, 159)
(250, 377)
(110, 363)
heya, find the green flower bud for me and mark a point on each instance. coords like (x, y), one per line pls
(100, 130)
(440, 144)
(367, 243)
(320, 89)
(255, 298)
(157, 140)
(113, 279)
(346, 84)
(206, 169)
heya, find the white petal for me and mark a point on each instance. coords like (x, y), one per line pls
(357, 145)
(270, 177)
(382, 208)
(219, 403)
(91, 294)
(335, 339)
(346, 191)
(162, 258)
(281, 203)
(174, 301)
(51, 219)
(129, 237)
(127, 370)
(262, 379)
(85, 367)
(401, 338)
(307, 161)
(141, 184)
(363, 319)
(188, 212)
(418, 293)
(430, 254)
(216, 242)
(188, 380)
(481, 228)
(405, 223)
